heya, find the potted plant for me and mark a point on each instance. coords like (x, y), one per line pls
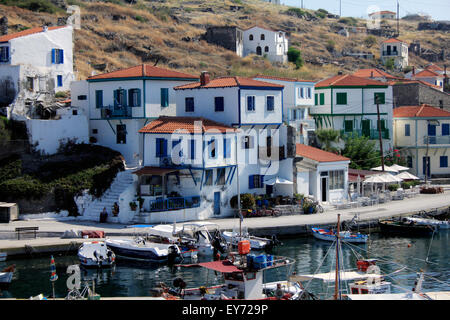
(133, 206)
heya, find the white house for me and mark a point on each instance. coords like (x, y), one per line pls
(298, 98)
(266, 42)
(381, 15)
(433, 77)
(397, 50)
(422, 136)
(189, 169)
(121, 102)
(348, 103)
(256, 108)
(321, 174)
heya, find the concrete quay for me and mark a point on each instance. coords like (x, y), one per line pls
(50, 230)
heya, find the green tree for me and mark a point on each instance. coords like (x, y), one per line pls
(390, 64)
(361, 151)
(370, 41)
(295, 56)
(327, 137)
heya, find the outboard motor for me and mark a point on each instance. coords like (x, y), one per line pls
(174, 253)
(180, 285)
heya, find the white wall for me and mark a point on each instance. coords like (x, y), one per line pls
(278, 45)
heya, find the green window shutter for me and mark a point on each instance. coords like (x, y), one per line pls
(164, 97)
(315, 99)
(341, 98)
(382, 124)
(98, 98)
(381, 97)
(348, 125)
(322, 99)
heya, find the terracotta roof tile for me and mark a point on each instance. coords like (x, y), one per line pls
(427, 74)
(166, 124)
(27, 32)
(377, 73)
(348, 81)
(261, 76)
(393, 40)
(423, 111)
(226, 82)
(143, 70)
(434, 67)
(318, 154)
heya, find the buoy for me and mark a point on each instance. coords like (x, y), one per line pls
(409, 245)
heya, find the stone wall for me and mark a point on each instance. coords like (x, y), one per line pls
(225, 37)
(414, 94)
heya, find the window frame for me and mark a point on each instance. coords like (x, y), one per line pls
(341, 98)
(164, 96)
(219, 106)
(191, 104)
(253, 99)
(273, 103)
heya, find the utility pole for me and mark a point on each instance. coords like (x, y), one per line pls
(398, 19)
(426, 160)
(340, 8)
(377, 101)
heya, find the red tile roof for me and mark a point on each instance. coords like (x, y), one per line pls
(427, 73)
(393, 40)
(401, 81)
(143, 70)
(261, 76)
(166, 124)
(434, 67)
(423, 111)
(227, 82)
(348, 81)
(376, 73)
(27, 32)
(318, 154)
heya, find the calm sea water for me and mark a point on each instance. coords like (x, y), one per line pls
(311, 256)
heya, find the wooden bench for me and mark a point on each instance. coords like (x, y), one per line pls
(26, 230)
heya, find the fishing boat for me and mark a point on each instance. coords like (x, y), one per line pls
(140, 249)
(242, 279)
(330, 235)
(430, 222)
(3, 256)
(6, 276)
(96, 254)
(256, 243)
(405, 227)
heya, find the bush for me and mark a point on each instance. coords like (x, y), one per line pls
(330, 45)
(295, 56)
(350, 21)
(370, 41)
(33, 5)
(393, 187)
(247, 201)
(25, 187)
(10, 167)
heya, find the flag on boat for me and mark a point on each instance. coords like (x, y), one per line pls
(54, 276)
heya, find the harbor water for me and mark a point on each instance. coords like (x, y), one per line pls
(402, 256)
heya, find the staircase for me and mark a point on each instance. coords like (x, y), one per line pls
(120, 183)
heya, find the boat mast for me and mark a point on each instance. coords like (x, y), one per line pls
(238, 187)
(337, 294)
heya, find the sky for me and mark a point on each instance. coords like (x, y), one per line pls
(437, 9)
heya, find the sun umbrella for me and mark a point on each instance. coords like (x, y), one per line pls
(53, 276)
(386, 169)
(389, 178)
(277, 180)
(407, 176)
(398, 168)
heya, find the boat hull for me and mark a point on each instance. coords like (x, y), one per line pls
(392, 227)
(5, 279)
(324, 234)
(127, 250)
(255, 243)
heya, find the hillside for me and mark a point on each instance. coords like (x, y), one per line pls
(121, 33)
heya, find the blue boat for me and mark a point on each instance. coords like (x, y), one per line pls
(347, 236)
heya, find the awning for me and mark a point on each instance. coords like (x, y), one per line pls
(277, 180)
(398, 168)
(223, 266)
(386, 169)
(154, 171)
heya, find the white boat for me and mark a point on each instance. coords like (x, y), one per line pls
(256, 243)
(6, 276)
(140, 249)
(429, 222)
(96, 254)
(205, 236)
(242, 280)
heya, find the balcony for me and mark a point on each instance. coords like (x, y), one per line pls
(177, 203)
(436, 140)
(110, 112)
(372, 134)
(390, 53)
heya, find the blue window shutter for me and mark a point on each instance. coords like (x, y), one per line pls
(192, 149)
(431, 130)
(138, 98)
(407, 130)
(61, 56)
(59, 80)
(251, 183)
(164, 147)
(445, 129)
(164, 97)
(158, 147)
(261, 181)
(53, 56)
(443, 161)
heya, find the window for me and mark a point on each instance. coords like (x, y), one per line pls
(250, 37)
(316, 100)
(250, 103)
(409, 161)
(255, 181)
(348, 125)
(82, 97)
(208, 177)
(441, 104)
(336, 179)
(407, 130)
(57, 56)
(227, 148)
(164, 97)
(322, 99)
(266, 49)
(192, 149)
(270, 103)
(94, 131)
(189, 104)
(443, 161)
(134, 97)
(308, 93)
(218, 104)
(263, 37)
(4, 54)
(120, 97)
(379, 97)
(445, 129)
(59, 80)
(161, 147)
(30, 83)
(301, 92)
(294, 114)
(98, 98)
(220, 176)
(176, 143)
(341, 98)
(212, 148)
(269, 146)
(248, 142)
(121, 134)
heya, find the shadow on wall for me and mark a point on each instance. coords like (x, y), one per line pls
(7, 92)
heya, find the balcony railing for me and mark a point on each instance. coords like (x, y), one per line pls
(437, 140)
(372, 134)
(116, 112)
(390, 53)
(168, 204)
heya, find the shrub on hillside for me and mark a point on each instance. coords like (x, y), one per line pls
(350, 21)
(10, 167)
(295, 56)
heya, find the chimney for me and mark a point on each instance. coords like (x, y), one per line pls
(414, 71)
(340, 73)
(204, 78)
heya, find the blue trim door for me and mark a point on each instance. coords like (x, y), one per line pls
(216, 203)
